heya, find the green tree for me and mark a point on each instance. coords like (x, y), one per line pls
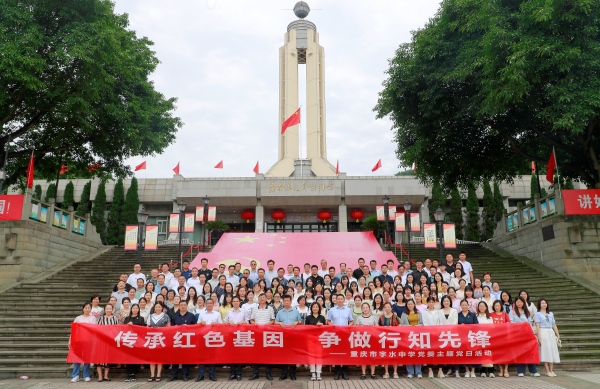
(217, 226)
(499, 202)
(489, 212)
(37, 192)
(472, 227)
(372, 224)
(456, 214)
(50, 192)
(486, 87)
(98, 210)
(76, 86)
(115, 232)
(84, 204)
(132, 204)
(438, 200)
(535, 189)
(69, 197)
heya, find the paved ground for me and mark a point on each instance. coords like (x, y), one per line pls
(572, 380)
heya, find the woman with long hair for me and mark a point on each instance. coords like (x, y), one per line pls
(410, 280)
(277, 303)
(85, 317)
(389, 319)
(483, 317)
(520, 314)
(506, 300)
(354, 288)
(206, 291)
(487, 297)
(192, 299)
(107, 320)
(378, 286)
(150, 288)
(124, 311)
(448, 315)
(226, 306)
(473, 302)
(327, 296)
(134, 319)
(431, 317)
(357, 307)
(548, 336)
(500, 317)
(477, 289)
(367, 296)
(377, 310)
(465, 316)
(400, 304)
(366, 319)
(412, 317)
(158, 319)
(97, 310)
(144, 308)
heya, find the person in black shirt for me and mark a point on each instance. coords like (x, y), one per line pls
(134, 319)
(315, 277)
(316, 319)
(181, 318)
(205, 270)
(359, 272)
(450, 265)
(123, 278)
(419, 272)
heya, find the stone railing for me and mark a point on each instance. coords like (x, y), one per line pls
(54, 217)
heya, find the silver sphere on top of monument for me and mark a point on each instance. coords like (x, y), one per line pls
(301, 9)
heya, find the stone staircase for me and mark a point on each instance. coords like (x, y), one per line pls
(35, 318)
(576, 308)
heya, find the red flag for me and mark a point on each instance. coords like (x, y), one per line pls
(291, 121)
(219, 165)
(30, 172)
(141, 166)
(337, 168)
(63, 169)
(93, 167)
(176, 168)
(550, 167)
(256, 169)
(532, 167)
(377, 166)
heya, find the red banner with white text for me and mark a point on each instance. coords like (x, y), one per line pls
(330, 345)
(582, 201)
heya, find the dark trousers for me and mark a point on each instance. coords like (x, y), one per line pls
(256, 367)
(131, 369)
(185, 370)
(341, 369)
(236, 370)
(211, 370)
(288, 370)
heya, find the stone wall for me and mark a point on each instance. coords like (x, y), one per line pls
(574, 250)
(28, 248)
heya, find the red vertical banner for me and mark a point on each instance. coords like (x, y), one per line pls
(415, 222)
(188, 225)
(151, 240)
(174, 222)
(380, 213)
(400, 222)
(449, 236)
(131, 237)
(212, 214)
(430, 233)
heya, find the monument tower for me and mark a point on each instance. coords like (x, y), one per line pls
(301, 47)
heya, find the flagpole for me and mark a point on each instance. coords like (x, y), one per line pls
(26, 182)
(57, 178)
(300, 136)
(557, 173)
(537, 175)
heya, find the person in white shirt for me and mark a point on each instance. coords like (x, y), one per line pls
(467, 267)
(290, 272)
(324, 269)
(214, 280)
(428, 267)
(168, 275)
(234, 317)
(250, 304)
(180, 281)
(351, 279)
(431, 317)
(194, 280)
(307, 273)
(231, 277)
(253, 272)
(208, 317)
(391, 268)
(445, 275)
(137, 273)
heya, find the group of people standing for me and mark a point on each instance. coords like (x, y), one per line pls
(432, 294)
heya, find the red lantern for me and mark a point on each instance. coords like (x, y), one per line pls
(357, 214)
(278, 215)
(247, 215)
(324, 215)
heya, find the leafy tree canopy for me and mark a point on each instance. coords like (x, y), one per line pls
(74, 85)
(487, 86)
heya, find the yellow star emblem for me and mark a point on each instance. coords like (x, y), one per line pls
(247, 238)
(270, 245)
(282, 242)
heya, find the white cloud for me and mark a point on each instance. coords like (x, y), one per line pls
(220, 59)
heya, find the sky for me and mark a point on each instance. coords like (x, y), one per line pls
(220, 59)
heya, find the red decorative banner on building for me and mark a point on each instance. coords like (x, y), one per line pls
(131, 237)
(582, 201)
(11, 207)
(151, 237)
(331, 345)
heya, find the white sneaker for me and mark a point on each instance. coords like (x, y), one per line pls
(430, 373)
(409, 376)
(457, 375)
(467, 375)
(75, 379)
(473, 374)
(520, 375)
(492, 375)
(87, 379)
(419, 376)
(536, 374)
(483, 375)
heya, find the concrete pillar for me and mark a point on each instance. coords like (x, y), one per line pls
(343, 217)
(425, 211)
(26, 211)
(259, 217)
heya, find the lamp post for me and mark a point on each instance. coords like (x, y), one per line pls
(181, 206)
(386, 212)
(407, 207)
(142, 217)
(439, 218)
(206, 201)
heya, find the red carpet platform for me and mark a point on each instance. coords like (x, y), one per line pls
(296, 249)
